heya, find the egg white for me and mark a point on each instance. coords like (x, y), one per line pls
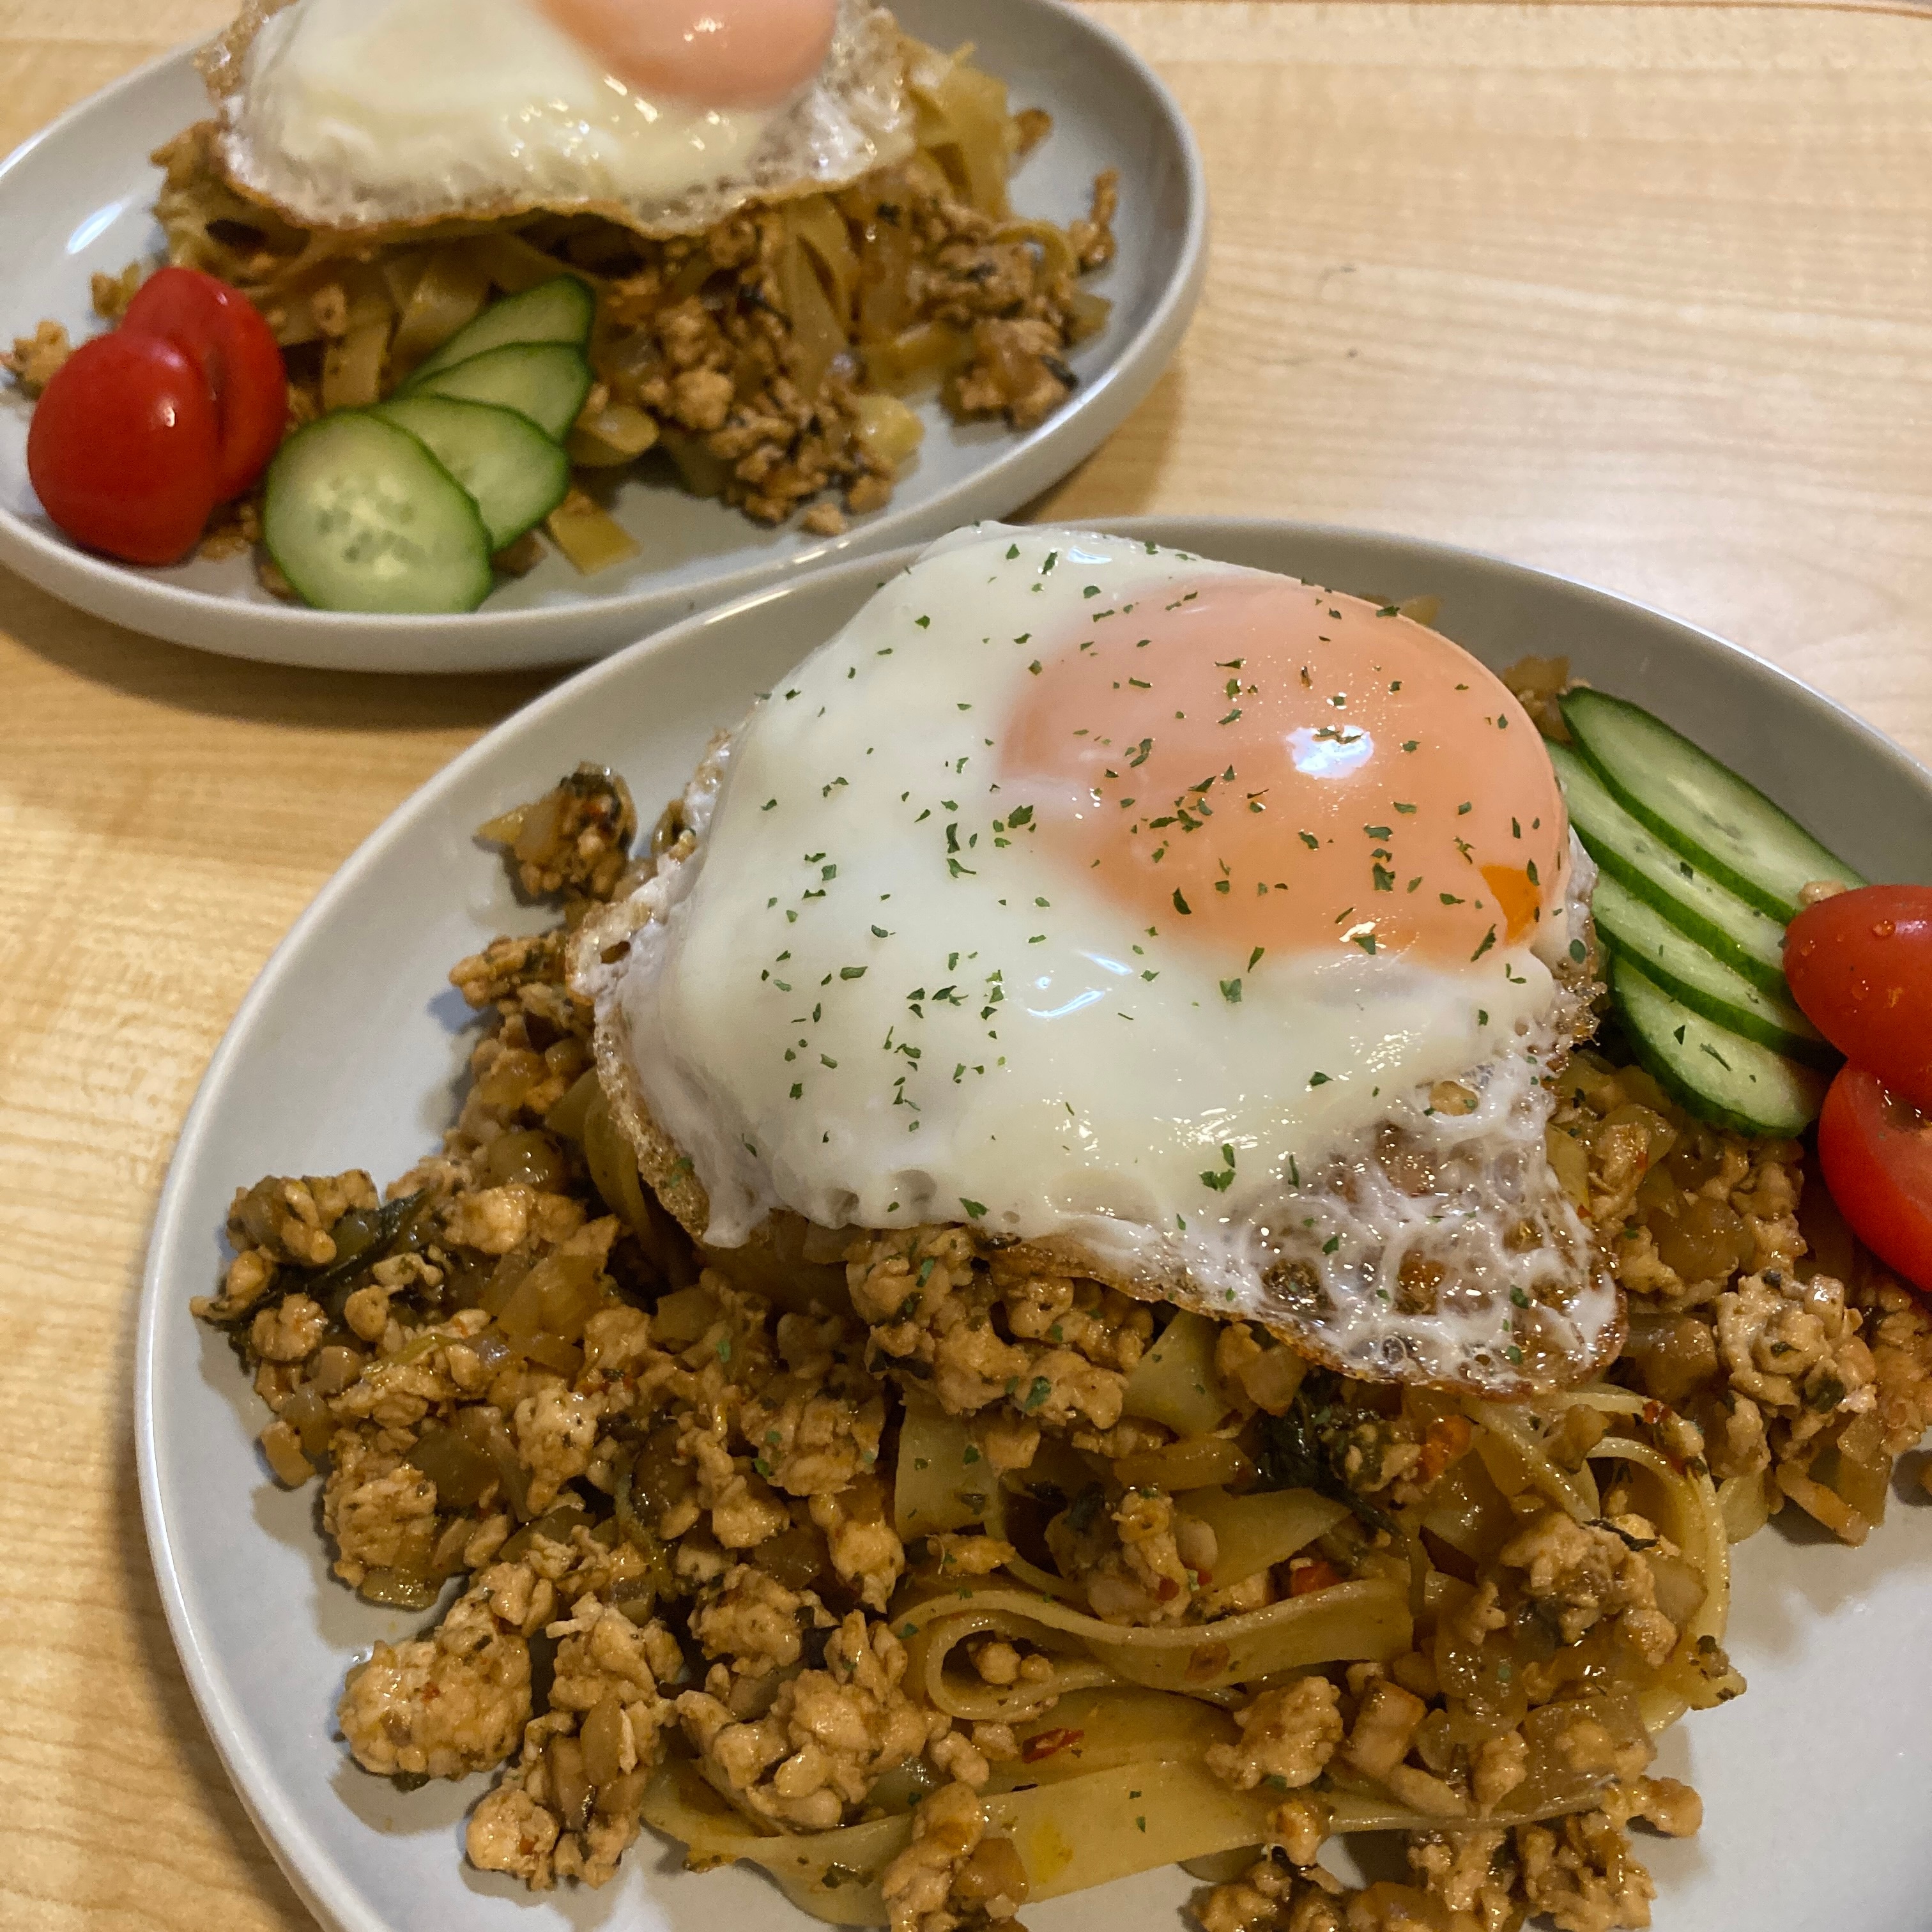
(380, 113)
(872, 1000)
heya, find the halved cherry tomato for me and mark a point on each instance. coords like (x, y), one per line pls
(1860, 964)
(218, 328)
(1876, 1152)
(121, 448)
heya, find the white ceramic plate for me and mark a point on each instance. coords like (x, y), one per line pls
(346, 1054)
(76, 198)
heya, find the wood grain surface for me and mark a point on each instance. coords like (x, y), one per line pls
(1641, 294)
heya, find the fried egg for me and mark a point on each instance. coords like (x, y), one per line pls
(1211, 932)
(388, 114)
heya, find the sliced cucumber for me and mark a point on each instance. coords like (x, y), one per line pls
(1738, 935)
(1715, 1072)
(1698, 807)
(1637, 931)
(359, 516)
(515, 473)
(558, 310)
(545, 381)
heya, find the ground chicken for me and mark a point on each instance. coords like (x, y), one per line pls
(1270, 1897)
(934, 1306)
(1301, 1824)
(291, 1331)
(557, 1429)
(1502, 1764)
(34, 360)
(752, 1621)
(1384, 1726)
(444, 1706)
(494, 1220)
(377, 1506)
(1473, 1871)
(865, 1548)
(828, 1737)
(1584, 1572)
(1288, 1735)
(1581, 1873)
(290, 1220)
(947, 1827)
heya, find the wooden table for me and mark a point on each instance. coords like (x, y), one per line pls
(1641, 294)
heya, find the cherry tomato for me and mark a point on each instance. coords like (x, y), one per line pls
(121, 448)
(1860, 964)
(1876, 1154)
(218, 328)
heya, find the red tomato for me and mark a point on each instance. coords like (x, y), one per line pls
(121, 448)
(1860, 964)
(1876, 1154)
(218, 327)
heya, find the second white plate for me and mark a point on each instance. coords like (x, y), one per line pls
(77, 198)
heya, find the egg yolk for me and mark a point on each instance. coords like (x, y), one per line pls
(718, 53)
(1263, 764)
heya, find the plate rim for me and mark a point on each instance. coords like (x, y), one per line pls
(279, 1823)
(225, 625)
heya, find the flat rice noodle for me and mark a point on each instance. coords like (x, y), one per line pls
(1366, 1620)
(1174, 1383)
(961, 118)
(400, 274)
(1095, 1730)
(1509, 1440)
(927, 351)
(885, 295)
(1070, 1834)
(1056, 252)
(289, 308)
(514, 264)
(1087, 315)
(1044, 1581)
(1253, 1533)
(1195, 1462)
(1509, 1447)
(703, 473)
(1694, 1521)
(610, 436)
(943, 1482)
(1127, 1790)
(593, 540)
(821, 228)
(449, 293)
(1745, 1506)
(817, 334)
(352, 368)
(963, 1693)
(1371, 1809)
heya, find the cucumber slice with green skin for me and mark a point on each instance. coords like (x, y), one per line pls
(516, 475)
(545, 381)
(1716, 1073)
(1698, 807)
(359, 516)
(561, 310)
(1635, 930)
(1739, 934)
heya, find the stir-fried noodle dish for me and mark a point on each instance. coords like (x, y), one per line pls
(935, 1574)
